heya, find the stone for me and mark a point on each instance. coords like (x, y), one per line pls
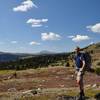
(39, 89)
(34, 92)
(28, 91)
(43, 80)
(12, 90)
(27, 95)
(94, 85)
(65, 98)
(62, 86)
(87, 86)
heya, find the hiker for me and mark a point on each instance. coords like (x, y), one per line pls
(80, 65)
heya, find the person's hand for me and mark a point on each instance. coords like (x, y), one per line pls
(81, 69)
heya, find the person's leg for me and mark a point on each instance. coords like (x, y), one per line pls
(78, 79)
(81, 85)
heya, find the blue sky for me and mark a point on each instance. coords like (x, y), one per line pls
(56, 25)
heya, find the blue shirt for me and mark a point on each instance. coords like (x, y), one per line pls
(79, 58)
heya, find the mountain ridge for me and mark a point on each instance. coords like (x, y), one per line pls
(8, 56)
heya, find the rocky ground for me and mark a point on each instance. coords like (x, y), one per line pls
(57, 83)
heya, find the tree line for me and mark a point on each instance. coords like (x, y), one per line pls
(37, 61)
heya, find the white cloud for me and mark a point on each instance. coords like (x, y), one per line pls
(13, 42)
(36, 22)
(25, 6)
(38, 25)
(71, 36)
(79, 38)
(34, 43)
(94, 28)
(50, 36)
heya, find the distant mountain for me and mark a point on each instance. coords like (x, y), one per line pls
(4, 56)
(46, 52)
(1, 52)
(8, 57)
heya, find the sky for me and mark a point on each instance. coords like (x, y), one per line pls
(31, 26)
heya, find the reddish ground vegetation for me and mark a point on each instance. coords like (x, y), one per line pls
(48, 78)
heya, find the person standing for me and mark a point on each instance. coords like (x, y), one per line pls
(80, 66)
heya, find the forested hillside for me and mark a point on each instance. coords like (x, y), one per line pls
(45, 60)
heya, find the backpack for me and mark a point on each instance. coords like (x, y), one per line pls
(88, 61)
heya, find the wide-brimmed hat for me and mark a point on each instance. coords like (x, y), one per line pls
(77, 48)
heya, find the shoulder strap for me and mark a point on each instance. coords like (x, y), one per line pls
(82, 55)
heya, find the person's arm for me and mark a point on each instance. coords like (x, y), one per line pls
(74, 62)
(83, 62)
(83, 65)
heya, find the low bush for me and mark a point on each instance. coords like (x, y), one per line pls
(98, 63)
(97, 71)
(67, 64)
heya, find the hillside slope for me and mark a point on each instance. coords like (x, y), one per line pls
(94, 50)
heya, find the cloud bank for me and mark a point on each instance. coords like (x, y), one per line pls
(36, 22)
(34, 43)
(50, 36)
(25, 6)
(79, 38)
(94, 28)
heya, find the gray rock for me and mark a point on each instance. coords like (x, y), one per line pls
(12, 90)
(34, 92)
(94, 85)
(27, 95)
(65, 98)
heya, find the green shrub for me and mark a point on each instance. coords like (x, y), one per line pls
(98, 63)
(67, 64)
(97, 70)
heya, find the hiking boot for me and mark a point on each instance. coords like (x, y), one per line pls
(80, 96)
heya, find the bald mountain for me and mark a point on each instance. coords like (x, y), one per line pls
(6, 56)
